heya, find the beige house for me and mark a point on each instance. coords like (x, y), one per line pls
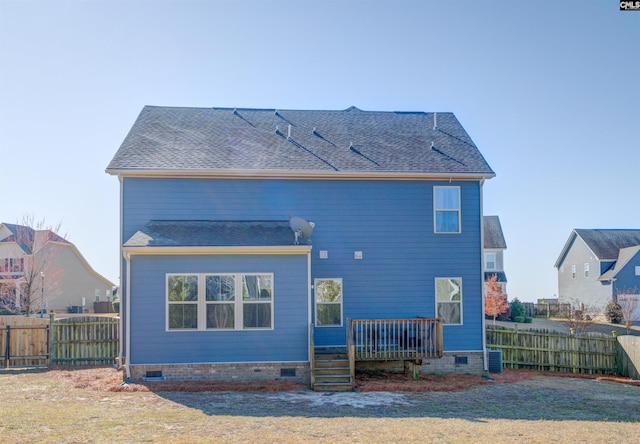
(40, 270)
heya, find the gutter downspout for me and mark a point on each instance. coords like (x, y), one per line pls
(309, 302)
(485, 372)
(127, 259)
(120, 289)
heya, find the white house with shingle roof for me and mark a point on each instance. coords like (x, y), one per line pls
(60, 275)
(596, 265)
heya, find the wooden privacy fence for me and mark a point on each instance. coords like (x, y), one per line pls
(629, 356)
(84, 340)
(592, 353)
(24, 341)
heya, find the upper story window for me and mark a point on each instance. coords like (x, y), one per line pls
(446, 209)
(219, 301)
(573, 271)
(489, 261)
(12, 265)
(637, 270)
(586, 269)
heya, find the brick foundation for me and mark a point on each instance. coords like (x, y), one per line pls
(241, 372)
(451, 362)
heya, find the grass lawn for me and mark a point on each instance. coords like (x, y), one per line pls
(38, 408)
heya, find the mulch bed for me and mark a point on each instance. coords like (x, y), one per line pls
(110, 379)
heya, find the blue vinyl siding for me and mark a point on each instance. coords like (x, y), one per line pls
(151, 343)
(391, 222)
(626, 279)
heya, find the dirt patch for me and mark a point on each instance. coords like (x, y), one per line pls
(110, 380)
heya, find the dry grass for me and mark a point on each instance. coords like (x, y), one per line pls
(81, 406)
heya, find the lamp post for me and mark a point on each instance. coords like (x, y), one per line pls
(42, 294)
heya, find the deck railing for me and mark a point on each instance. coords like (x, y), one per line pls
(394, 339)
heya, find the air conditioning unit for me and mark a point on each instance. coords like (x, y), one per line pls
(495, 361)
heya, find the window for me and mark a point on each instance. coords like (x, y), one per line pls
(12, 265)
(446, 209)
(219, 301)
(573, 271)
(489, 261)
(637, 270)
(328, 294)
(182, 299)
(586, 269)
(449, 300)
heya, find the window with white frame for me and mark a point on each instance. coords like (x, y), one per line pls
(449, 300)
(586, 269)
(637, 270)
(446, 208)
(328, 298)
(230, 301)
(573, 271)
(489, 261)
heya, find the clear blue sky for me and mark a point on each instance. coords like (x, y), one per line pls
(548, 90)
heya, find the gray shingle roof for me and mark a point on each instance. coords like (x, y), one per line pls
(223, 139)
(493, 237)
(26, 237)
(624, 256)
(167, 233)
(606, 244)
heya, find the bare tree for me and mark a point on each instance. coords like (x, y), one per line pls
(31, 275)
(581, 317)
(495, 302)
(629, 302)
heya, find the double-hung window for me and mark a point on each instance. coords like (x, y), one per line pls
(489, 261)
(225, 301)
(449, 299)
(328, 293)
(446, 209)
(586, 269)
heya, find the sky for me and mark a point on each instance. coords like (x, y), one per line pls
(549, 91)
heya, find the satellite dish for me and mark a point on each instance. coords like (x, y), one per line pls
(300, 227)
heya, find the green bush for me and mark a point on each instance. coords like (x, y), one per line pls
(528, 320)
(517, 309)
(613, 312)
(519, 319)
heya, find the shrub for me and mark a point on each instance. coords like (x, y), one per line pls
(519, 319)
(517, 309)
(528, 320)
(613, 312)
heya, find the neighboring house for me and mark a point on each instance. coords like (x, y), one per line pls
(494, 246)
(224, 278)
(59, 275)
(597, 265)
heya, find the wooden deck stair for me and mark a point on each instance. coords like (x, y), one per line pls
(331, 372)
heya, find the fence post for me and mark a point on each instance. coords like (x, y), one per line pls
(7, 348)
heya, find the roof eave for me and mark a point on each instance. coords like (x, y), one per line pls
(297, 174)
(212, 250)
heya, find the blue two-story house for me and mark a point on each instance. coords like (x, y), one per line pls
(252, 239)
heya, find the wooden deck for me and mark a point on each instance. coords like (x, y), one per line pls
(394, 339)
(411, 339)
